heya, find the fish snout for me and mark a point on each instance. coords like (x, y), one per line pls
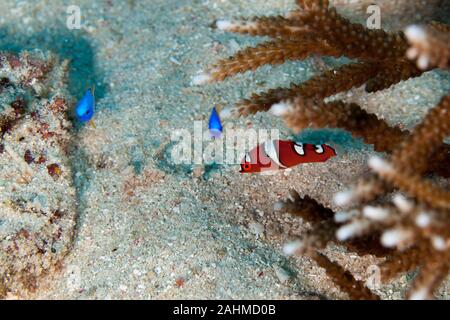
(246, 167)
(331, 151)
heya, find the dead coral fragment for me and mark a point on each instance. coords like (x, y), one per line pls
(37, 211)
(54, 170)
(28, 157)
(11, 115)
(28, 69)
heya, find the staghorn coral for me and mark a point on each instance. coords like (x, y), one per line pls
(37, 198)
(407, 233)
(410, 233)
(317, 29)
(356, 288)
(430, 45)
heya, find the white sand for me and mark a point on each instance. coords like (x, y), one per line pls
(147, 229)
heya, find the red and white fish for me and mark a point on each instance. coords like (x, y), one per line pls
(282, 154)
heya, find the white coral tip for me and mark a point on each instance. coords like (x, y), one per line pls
(280, 109)
(392, 238)
(201, 79)
(403, 204)
(412, 53)
(291, 248)
(375, 213)
(379, 165)
(423, 220)
(439, 243)
(342, 216)
(423, 62)
(224, 25)
(420, 294)
(415, 33)
(350, 230)
(343, 198)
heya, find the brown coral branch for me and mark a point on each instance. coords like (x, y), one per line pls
(438, 26)
(321, 234)
(413, 184)
(440, 162)
(344, 279)
(307, 208)
(272, 52)
(324, 226)
(338, 80)
(321, 218)
(401, 262)
(323, 85)
(434, 271)
(430, 45)
(392, 74)
(355, 39)
(333, 34)
(275, 27)
(414, 153)
(315, 113)
(312, 5)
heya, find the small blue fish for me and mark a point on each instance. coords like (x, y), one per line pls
(84, 110)
(215, 127)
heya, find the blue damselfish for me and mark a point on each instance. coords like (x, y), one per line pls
(84, 110)
(215, 127)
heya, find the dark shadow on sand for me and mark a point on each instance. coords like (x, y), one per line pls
(340, 139)
(67, 44)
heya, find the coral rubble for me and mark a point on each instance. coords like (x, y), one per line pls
(37, 198)
(397, 213)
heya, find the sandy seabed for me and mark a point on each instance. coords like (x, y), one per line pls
(149, 229)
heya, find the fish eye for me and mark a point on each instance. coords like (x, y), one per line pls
(246, 166)
(87, 112)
